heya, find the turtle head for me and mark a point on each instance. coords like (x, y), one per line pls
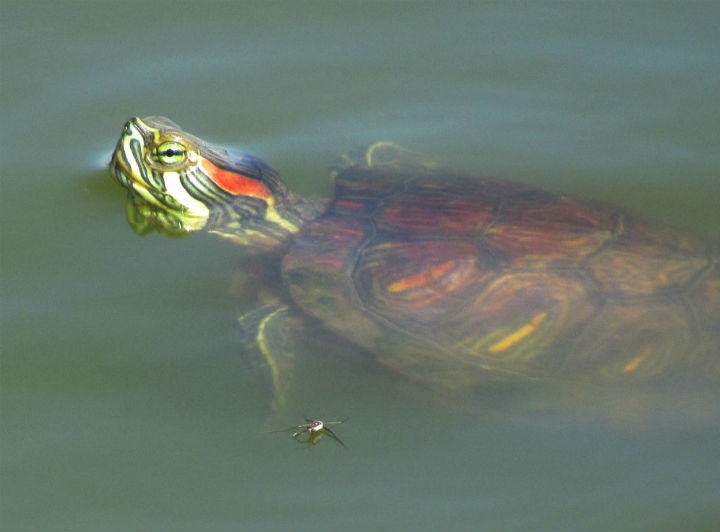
(179, 184)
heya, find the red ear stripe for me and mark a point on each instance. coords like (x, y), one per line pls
(235, 183)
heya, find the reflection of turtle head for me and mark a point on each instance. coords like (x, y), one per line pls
(180, 184)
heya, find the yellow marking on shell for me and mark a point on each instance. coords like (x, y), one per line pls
(635, 363)
(518, 335)
(397, 286)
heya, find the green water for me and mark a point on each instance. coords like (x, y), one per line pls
(126, 401)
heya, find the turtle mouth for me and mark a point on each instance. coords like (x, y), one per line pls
(130, 169)
(127, 160)
(123, 174)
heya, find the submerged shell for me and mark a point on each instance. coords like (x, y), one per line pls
(457, 279)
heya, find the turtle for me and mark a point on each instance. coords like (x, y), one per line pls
(448, 278)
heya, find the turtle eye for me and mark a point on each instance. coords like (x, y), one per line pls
(170, 153)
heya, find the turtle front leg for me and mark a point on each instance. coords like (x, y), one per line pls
(271, 332)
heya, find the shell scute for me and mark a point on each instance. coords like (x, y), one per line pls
(648, 258)
(513, 320)
(549, 232)
(635, 340)
(419, 281)
(430, 213)
(318, 273)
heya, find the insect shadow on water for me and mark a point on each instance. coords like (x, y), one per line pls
(315, 430)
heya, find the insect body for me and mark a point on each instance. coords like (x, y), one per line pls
(315, 430)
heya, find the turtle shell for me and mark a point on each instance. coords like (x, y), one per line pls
(455, 279)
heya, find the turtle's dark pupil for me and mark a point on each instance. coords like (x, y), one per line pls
(170, 152)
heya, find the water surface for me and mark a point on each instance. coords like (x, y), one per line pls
(126, 401)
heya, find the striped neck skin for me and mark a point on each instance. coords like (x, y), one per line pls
(235, 196)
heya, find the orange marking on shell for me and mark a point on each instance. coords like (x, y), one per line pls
(422, 278)
(635, 362)
(235, 183)
(518, 335)
(577, 242)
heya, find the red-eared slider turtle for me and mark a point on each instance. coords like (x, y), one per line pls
(443, 277)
